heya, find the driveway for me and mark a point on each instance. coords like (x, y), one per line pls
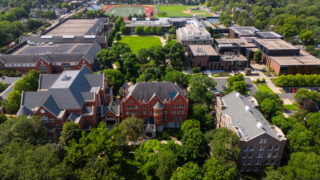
(287, 98)
(222, 85)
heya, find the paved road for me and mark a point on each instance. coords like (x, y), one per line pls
(222, 85)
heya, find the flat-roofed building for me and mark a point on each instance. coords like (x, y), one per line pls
(165, 24)
(303, 63)
(268, 35)
(202, 56)
(232, 45)
(242, 31)
(50, 57)
(261, 144)
(192, 34)
(276, 47)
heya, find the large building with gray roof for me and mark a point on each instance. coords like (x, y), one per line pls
(160, 104)
(261, 144)
(76, 95)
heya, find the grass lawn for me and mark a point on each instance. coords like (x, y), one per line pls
(125, 11)
(178, 11)
(138, 42)
(264, 87)
(291, 107)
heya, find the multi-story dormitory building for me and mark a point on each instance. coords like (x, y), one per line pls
(78, 96)
(69, 45)
(261, 144)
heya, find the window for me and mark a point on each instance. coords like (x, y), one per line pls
(43, 69)
(57, 126)
(151, 113)
(251, 148)
(244, 155)
(258, 162)
(51, 120)
(245, 148)
(273, 162)
(65, 66)
(249, 155)
(243, 162)
(175, 118)
(261, 141)
(261, 148)
(178, 112)
(180, 118)
(270, 148)
(265, 141)
(269, 155)
(260, 155)
(173, 112)
(274, 155)
(182, 112)
(45, 118)
(267, 162)
(249, 162)
(276, 148)
(144, 112)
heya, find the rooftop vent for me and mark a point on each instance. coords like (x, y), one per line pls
(46, 37)
(259, 125)
(238, 95)
(65, 78)
(247, 108)
(68, 37)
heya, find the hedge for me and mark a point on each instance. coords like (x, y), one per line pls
(297, 80)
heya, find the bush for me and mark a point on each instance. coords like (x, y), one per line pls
(297, 80)
(196, 69)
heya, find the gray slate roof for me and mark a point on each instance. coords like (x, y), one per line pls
(245, 116)
(60, 39)
(62, 94)
(146, 90)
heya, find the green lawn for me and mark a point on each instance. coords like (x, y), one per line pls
(178, 11)
(291, 107)
(138, 42)
(125, 11)
(264, 87)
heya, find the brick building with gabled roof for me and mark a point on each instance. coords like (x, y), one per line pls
(163, 104)
(75, 95)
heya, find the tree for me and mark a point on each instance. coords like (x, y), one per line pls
(3, 118)
(199, 89)
(223, 144)
(172, 30)
(257, 56)
(123, 29)
(159, 30)
(158, 54)
(23, 130)
(117, 36)
(33, 24)
(49, 14)
(153, 30)
(237, 83)
(13, 105)
(313, 123)
(146, 30)
(66, 5)
(307, 37)
(106, 57)
(220, 169)
(71, 131)
(167, 164)
(193, 147)
(115, 79)
(189, 125)
(131, 129)
(176, 55)
(300, 139)
(130, 66)
(189, 171)
(177, 77)
(143, 55)
(268, 108)
(202, 113)
(2, 87)
(138, 30)
(28, 82)
(151, 72)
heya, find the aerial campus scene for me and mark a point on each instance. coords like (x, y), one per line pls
(180, 90)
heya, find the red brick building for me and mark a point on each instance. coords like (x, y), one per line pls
(162, 104)
(77, 96)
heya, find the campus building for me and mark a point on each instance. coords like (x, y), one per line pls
(284, 58)
(50, 58)
(242, 31)
(261, 144)
(160, 104)
(76, 95)
(192, 34)
(165, 24)
(203, 56)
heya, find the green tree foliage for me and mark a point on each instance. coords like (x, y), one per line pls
(3, 118)
(23, 130)
(176, 55)
(237, 83)
(303, 95)
(117, 36)
(193, 146)
(106, 57)
(131, 129)
(115, 79)
(189, 125)
(143, 55)
(71, 131)
(202, 113)
(158, 55)
(33, 24)
(98, 144)
(220, 169)
(2, 87)
(257, 56)
(129, 66)
(189, 171)
(270, 103)
(297, 80)
(172, 30)
(313, 123)
(307, 37)
(199, 89)
(153, 30)
(146, 30)
(150, 72)
(177, 77)
(13, 104)
(28, 82)
(223, 144)
(138, 30)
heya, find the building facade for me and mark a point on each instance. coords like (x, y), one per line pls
(163, 104)
(75, 95)
(261, 144)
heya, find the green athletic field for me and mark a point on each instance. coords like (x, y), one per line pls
(138, 42)
(125, 11)
(177, 11)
